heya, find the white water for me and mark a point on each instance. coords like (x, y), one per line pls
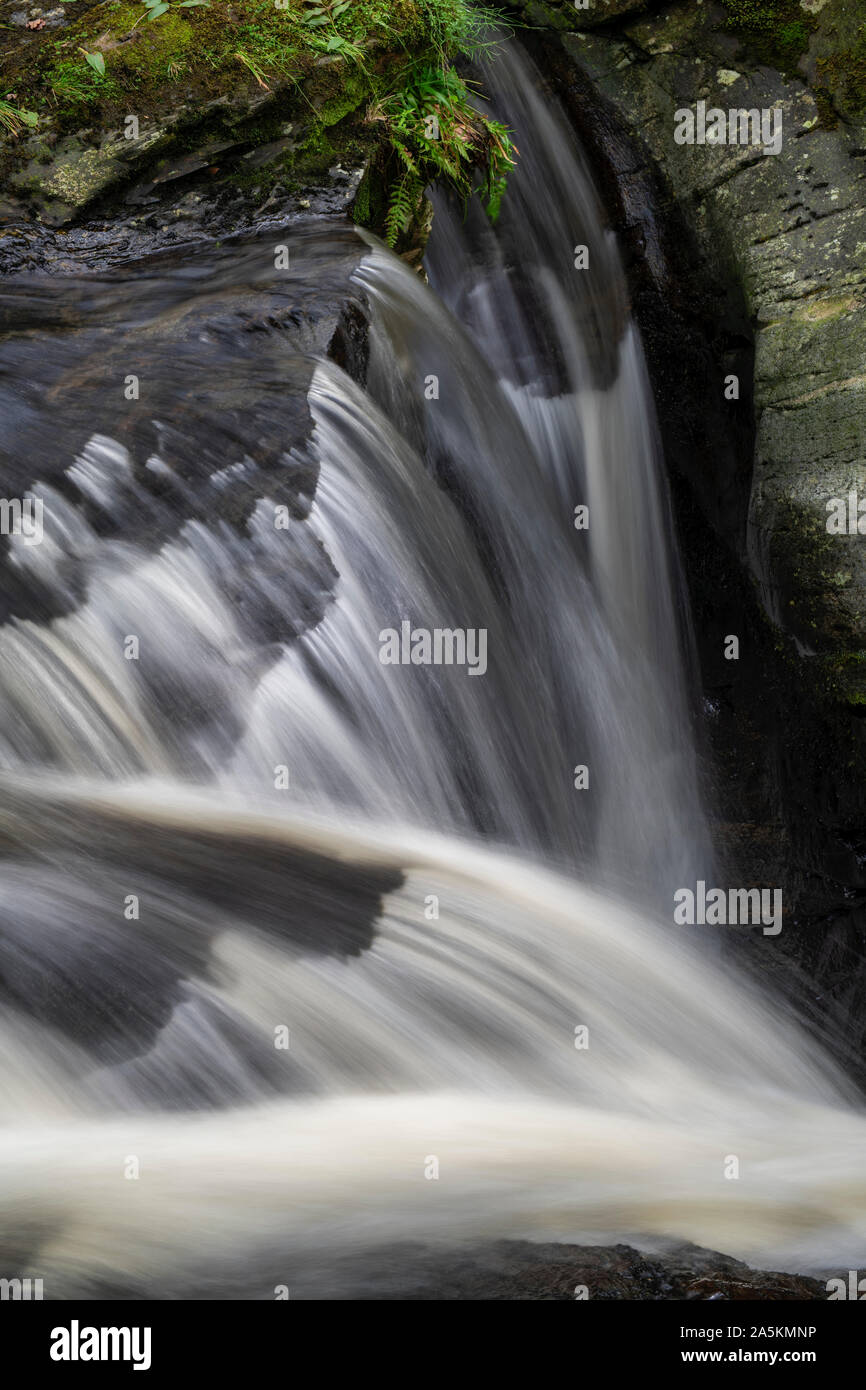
(467, 1025)
(411, 1036)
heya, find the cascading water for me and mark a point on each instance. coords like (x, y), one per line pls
(227, 825)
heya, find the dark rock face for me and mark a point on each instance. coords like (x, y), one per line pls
(215, 326)
(762, 253)
(751, 265)
(788, 230)
(554, 1273)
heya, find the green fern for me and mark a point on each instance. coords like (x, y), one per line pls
(13, 119)
(436, 132)
(405, 154)
(500, 162)
(406, 195)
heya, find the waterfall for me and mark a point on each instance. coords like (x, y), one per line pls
(305, 954)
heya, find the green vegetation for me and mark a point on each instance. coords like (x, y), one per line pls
(14, 120)
(435, 132)
(155, 8)
(384, 67)
(846, 72)
(96, 61)
(775, 31)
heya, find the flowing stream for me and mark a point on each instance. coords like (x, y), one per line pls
(305, 957)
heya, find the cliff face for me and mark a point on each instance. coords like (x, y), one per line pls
(789, 229)
(752, 265)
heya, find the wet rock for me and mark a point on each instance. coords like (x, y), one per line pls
(524, 1271)
(789, 229)
(750, 264)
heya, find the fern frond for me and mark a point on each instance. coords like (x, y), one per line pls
(405, 197)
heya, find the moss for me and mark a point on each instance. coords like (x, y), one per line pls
(199, 72)
(362, 210)
(776, 32)
(351, 90)
(182, 56)
(845, 677)
(811, 585)
(845, 72)
(828, 116)
(230, 46)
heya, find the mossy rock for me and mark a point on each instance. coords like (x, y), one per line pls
(230, 75)
(837, 58)
(775, 32)
(578, 14)
(193, 55)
